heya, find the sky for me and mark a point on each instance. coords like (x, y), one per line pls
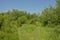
(25, 5)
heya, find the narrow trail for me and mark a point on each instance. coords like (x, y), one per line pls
(18, 31)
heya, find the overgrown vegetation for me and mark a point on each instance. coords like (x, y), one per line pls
(21, 25)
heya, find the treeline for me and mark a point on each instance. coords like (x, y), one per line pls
(49, 16)
(18, 18)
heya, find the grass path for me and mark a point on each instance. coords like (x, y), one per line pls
(34, 35)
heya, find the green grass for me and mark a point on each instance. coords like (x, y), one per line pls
(31, 32)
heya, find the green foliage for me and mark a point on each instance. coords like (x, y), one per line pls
(21, 25)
